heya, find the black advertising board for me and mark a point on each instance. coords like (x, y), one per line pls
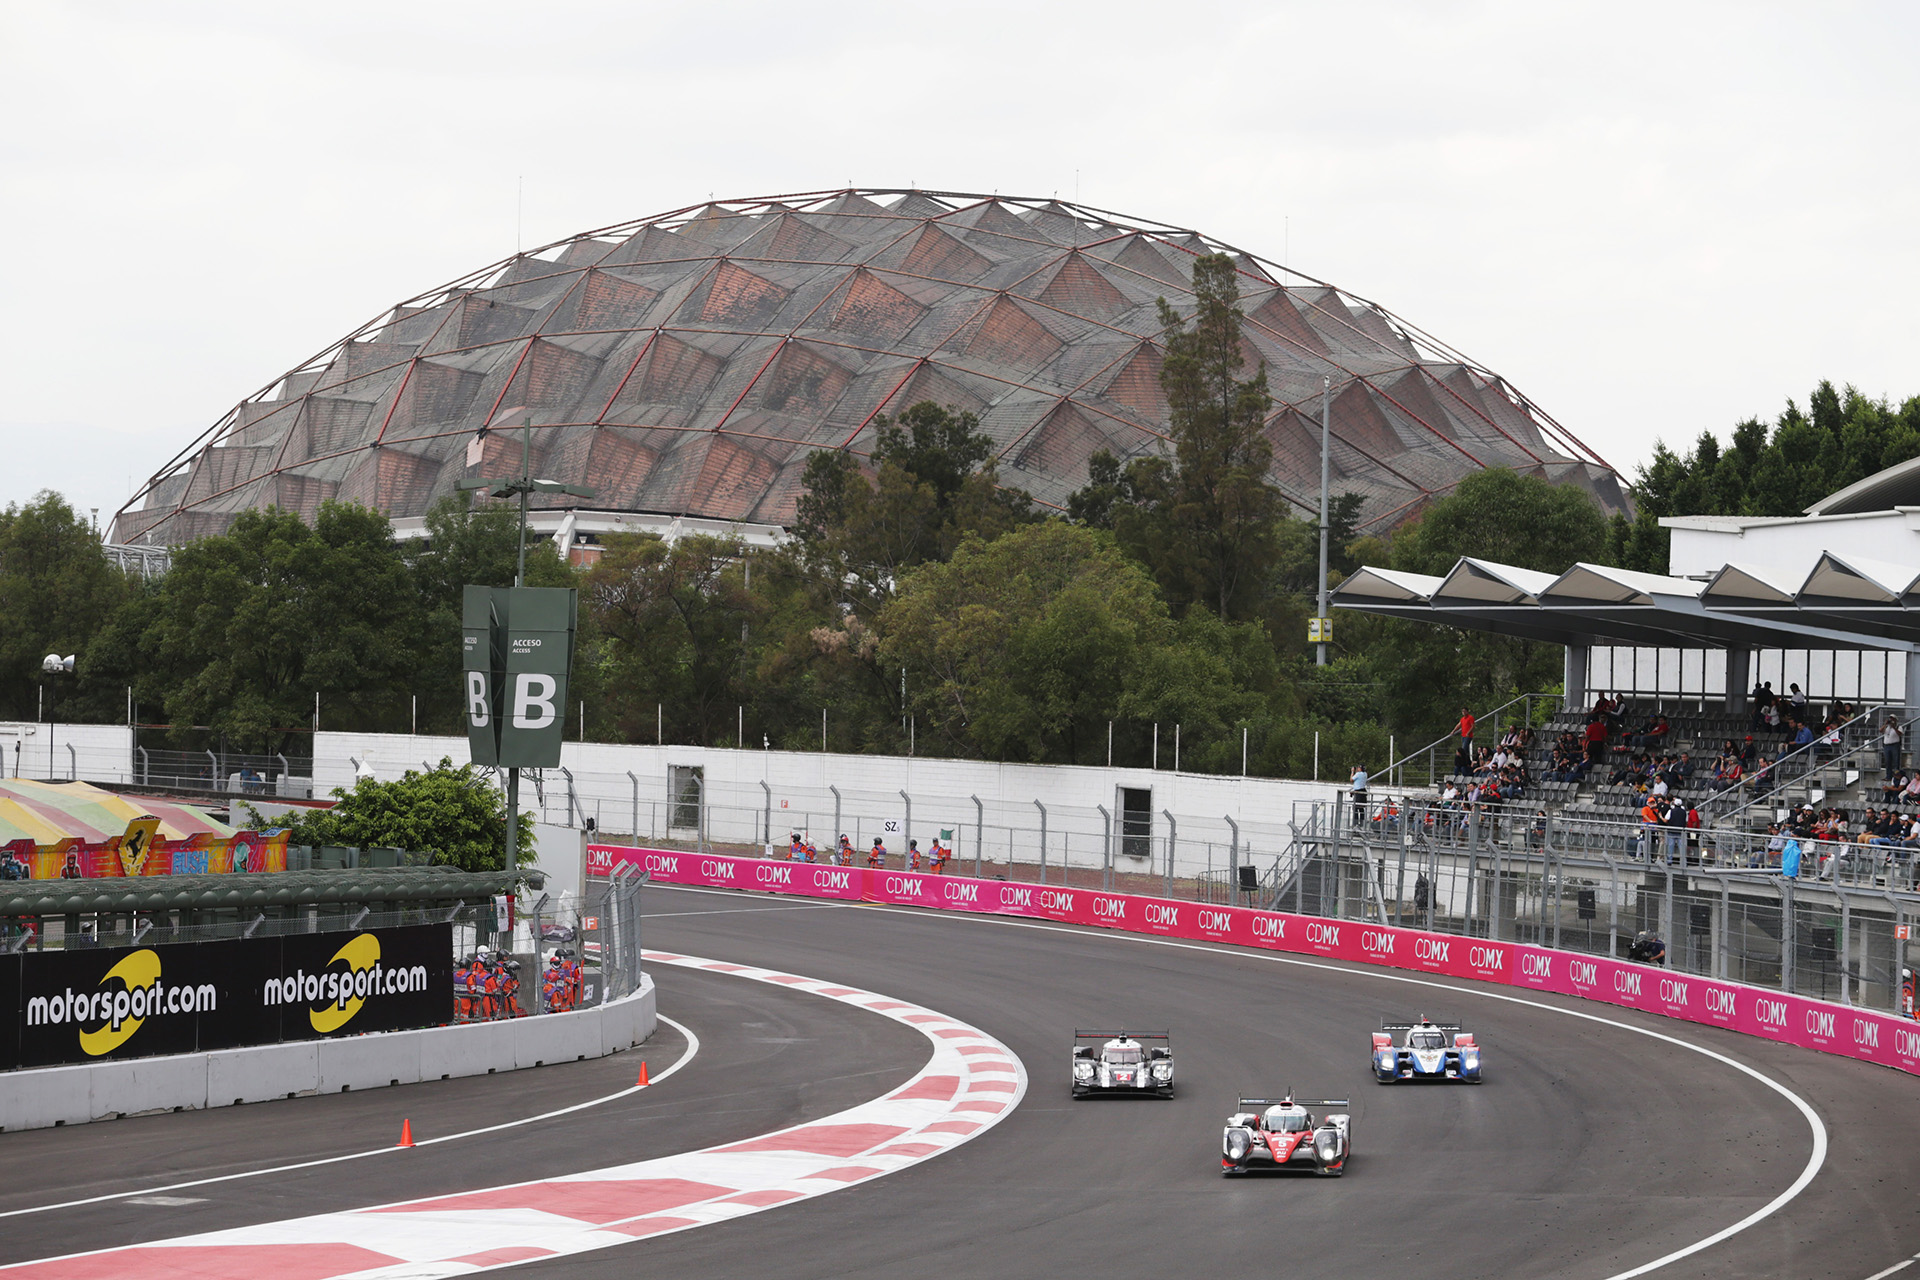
(92, 1005)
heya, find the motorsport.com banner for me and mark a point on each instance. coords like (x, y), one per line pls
(93, 1005)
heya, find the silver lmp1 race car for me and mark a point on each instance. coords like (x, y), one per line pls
(1122, 1064)
(1429, 1051)
(1284, 1135)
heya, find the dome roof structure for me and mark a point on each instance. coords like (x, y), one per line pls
(687, 364)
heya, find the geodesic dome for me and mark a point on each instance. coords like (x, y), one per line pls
(687, 364)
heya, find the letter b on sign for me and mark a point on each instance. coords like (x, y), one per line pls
(533, 701)
(477, 709)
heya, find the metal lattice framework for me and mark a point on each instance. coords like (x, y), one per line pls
(688, 363)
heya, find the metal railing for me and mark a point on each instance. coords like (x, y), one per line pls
(1717, 897)
(1859, 734)
(1429, 759)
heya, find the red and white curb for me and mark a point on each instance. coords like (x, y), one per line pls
(969, 1084)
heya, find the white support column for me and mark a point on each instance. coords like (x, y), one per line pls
(1739, 678)
(1574, 677)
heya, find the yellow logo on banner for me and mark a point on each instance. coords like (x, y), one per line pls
(137, 843)
(361, 953)
(139, 970)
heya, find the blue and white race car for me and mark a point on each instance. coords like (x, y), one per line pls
(1427, 1051)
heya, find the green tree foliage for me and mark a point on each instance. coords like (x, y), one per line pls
(479, 546)
(1024, 647)
(1206, 522)
(247, 626)
(676, 623)
(934, 484)
(454, 813)
(58, 592)
(1500, 515)
(1842, 437)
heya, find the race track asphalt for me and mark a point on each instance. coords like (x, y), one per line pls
(1590, 1150)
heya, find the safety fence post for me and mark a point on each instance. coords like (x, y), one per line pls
(1233, 863)
(635, 779)
(979, 832)
(1173, 836)
(906, 835)
(1106, 847)
(1043, 840)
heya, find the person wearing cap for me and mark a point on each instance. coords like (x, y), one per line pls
(877, 856)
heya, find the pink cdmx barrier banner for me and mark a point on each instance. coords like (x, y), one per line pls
(1814, 1024)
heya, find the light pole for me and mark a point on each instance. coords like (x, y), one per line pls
(54, 665)
(521, 486)
(1320, 627)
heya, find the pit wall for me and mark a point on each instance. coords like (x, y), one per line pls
(50, 1096)
(1848, 1032)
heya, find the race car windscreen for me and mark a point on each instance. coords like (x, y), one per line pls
(1280, 1120)
(1123, 1057)
(1428, 1040)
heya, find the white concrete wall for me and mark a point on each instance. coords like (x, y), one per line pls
(1788, 548)
(798, 792)
(100, 752)
(48, 1096)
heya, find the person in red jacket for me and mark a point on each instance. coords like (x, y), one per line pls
(1466, 728)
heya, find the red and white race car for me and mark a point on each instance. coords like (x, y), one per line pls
(1285, 1135)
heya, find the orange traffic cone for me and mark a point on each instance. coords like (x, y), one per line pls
(406, 1134)
(642, 1082)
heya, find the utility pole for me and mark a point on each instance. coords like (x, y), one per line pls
(1320, 627)
(522, 486)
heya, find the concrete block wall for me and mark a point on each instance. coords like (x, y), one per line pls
(47, 1096)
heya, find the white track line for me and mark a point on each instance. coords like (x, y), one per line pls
(686, 1056)
(1819, 1129)
(969, 1083)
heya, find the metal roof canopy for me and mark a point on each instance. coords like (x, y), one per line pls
(1877, 606)
(399, 886)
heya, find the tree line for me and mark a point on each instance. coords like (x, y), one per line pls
(920, 604)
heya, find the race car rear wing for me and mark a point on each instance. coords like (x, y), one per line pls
(1122, 1035)
(1449, 1028)
(1297, 1102)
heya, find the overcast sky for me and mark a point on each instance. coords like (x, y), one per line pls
(1653, 219)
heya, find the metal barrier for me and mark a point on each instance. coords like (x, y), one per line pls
(1717, 898)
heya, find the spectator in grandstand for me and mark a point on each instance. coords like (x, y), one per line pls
(1358, 781)
(1910, 794)
(1762, 702)
(1798, 701)
(1760, 782)
(1790, 857)
(1596, 740)
(1749, 749)
(1828, 746)
(1894, 783)
(1890, 746)
(1728, 775)
(1653, 733)
(1674, 819)
(1693, 834)
(1650, 820)
(1465, 726)
(1463, 759)
(1802, 735)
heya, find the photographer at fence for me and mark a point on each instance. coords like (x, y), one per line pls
(1648, 948)
(1359, 794)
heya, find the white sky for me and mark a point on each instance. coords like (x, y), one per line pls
(1652, 218)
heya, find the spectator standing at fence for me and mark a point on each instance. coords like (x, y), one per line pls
(1675, 820)
(1890, 747)
(1358, 780)
(1465, 727)
(1762, 700)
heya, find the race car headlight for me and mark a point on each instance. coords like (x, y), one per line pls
(1083, 1070)
(1237, 1144)
(1162, 1069)
(1470, 1056)
(1328, 1145)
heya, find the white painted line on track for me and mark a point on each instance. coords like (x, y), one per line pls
(686, 1056)
(1814, 1124)
(967, 1085)
(1898, 1266)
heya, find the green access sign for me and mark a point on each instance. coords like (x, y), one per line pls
(518, 654)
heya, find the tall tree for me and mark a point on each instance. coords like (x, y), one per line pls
(1224, 509)
(249, 625)
(58, 592)
(1206, 522)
